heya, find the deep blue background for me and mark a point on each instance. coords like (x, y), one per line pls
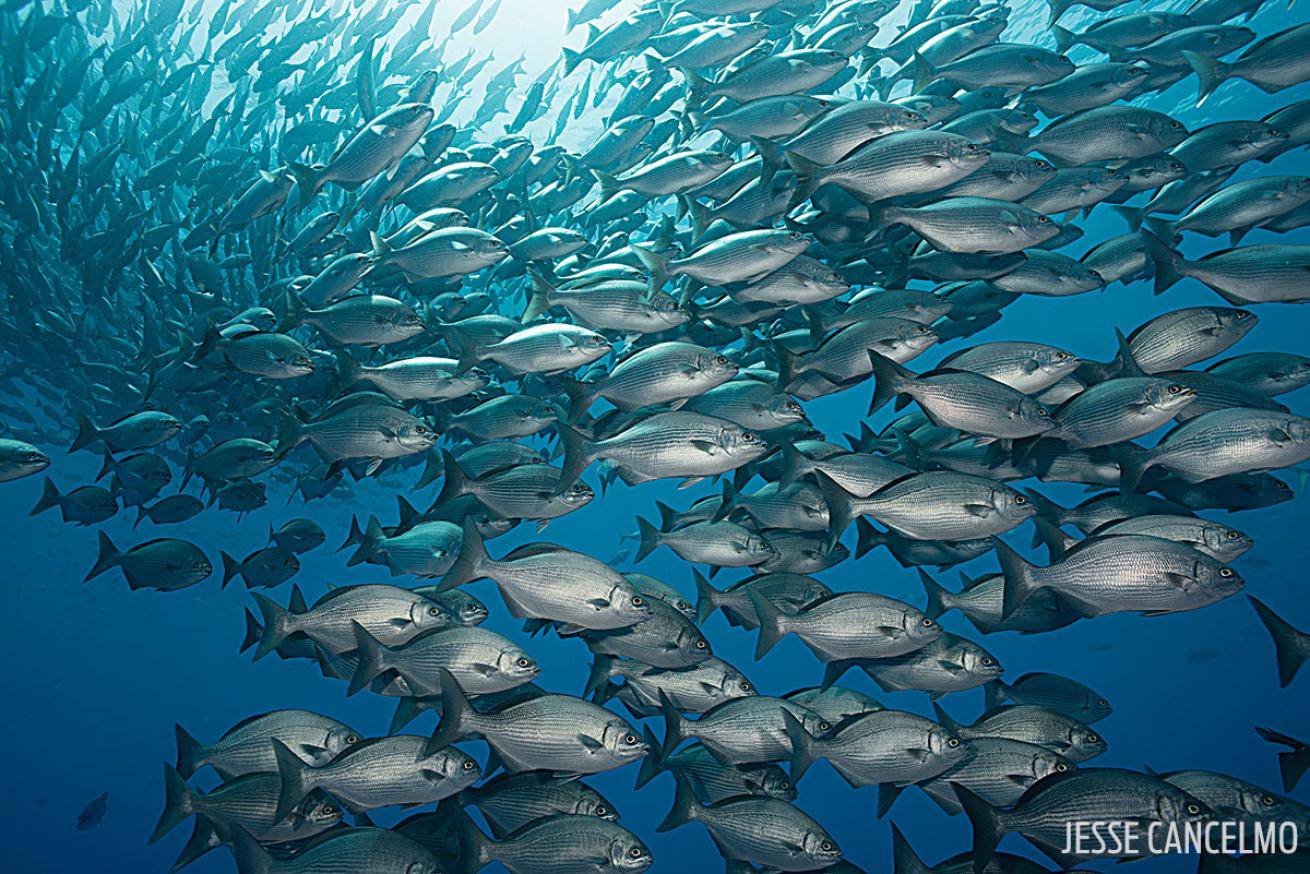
(98, 674)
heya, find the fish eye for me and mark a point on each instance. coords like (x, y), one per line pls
(1175, 389)
(1061, 356)
(748, 437)
(988, 661)
(523, 663)
(972, 147)
(700, 644)
(746, 687)
(1043, 220)
(351, 739)
(637, 600)
(635, 852)
(1092, 737)
(683, 605)
(1193, 809)
(434, 611)
(601, 810)
(721, 359)
(1175, 125)
(826, 847)
(630, 739)
(927, 623)
(468, 765)
(953, 742)
(823, 725)
(1279, 484)
(329, 809)
(1102, 702)
(1267, 800)
(1061, 767)
(1020, 499)
(1232, 535)
(1042, 411)
(1225, 572)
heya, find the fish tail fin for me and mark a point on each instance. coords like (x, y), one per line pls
(673, 725)
(188, 752)
(609, 184)
(1133, 463)
(203, 839)
(701, 217)
(1058, 8)
(456, 711)
(1169, 265)
(231, 567)
(539, 298)
(456, 482)
(867, 537)
(1045, 507)
(772, 623)
(656, 265)
(472, 560)
(947, 721)
(253, 631)
(602, 668)
(987, 828)
(348, 370)
(938, 597)
(832, 672)
(795, 464)
(370, 542)
(889, 380)
(571, 60)
(308, 180)
(250, 855)
(802, 746)
(179, 803)
(650, 765)
(925, 73)
(276, 625)
(809, 176)
(87, 432)
(1128, 365)
(407, 710)
(648, 538)
(727, 502)
(107, 556)
(840, 511)
(1210, 74)
(1133, 215)
(1291, 646)
(684, 806)
(904, 859)
(887, 795)
(1019, 579)
(995, 693)
(372, 659)
(771, 159)
(1051, 536)
(1064, 40)
(476, 850)
(707, 597)
(576, 455)
(295, 777)
(295, 312)
(431, 469)
(49, 497)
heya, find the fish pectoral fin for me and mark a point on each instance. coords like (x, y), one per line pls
(690, 481)
(950, 667)
(432, 776)
(1024, 780)
(1279, 437)
(483, 669)
(982, 511)
(918, 753)
(599, 603)
(373, 465)
(590, 743)
(705, 446)
(1180, 581)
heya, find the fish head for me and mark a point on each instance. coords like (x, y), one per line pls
(948, 747)
(1034, 413)
(297, 364)
(693, 644)
(1225, 543)
(742, 444)
(1036, 170)
(714, 366)
(967, 155)
(665, 308)
(1220, 580)
(427, 614)
(589, 802)
(1131, 75)
(814, 723)
(785, 410)
(407, 322)
(979, 662)
(407, 117)
(577, 495)
(769, 781)
(623, 741)
(1174, 805)
(1084, 743)
(628, 853)
(628, 603)
(1056, 363)
(415, 436)
(758, 548)
(319, 811)
(1036, 226)
(338, 740)
(516, 665)
(1167, 132)
(1264, 136)
(735, 685)
(1044, 763)
(910, 340)
(24, 458)
(1169, 396)
(820, 848)
(920, 628)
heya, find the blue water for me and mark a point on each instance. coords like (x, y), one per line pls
(97, 674)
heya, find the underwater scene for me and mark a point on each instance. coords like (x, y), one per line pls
(589, 436)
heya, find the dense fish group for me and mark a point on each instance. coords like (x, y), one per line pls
(249, 249)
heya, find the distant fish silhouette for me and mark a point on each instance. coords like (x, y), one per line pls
(91, 815)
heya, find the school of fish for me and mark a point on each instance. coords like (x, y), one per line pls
(248, 250)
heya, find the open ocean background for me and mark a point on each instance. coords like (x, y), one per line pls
(97, 675)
